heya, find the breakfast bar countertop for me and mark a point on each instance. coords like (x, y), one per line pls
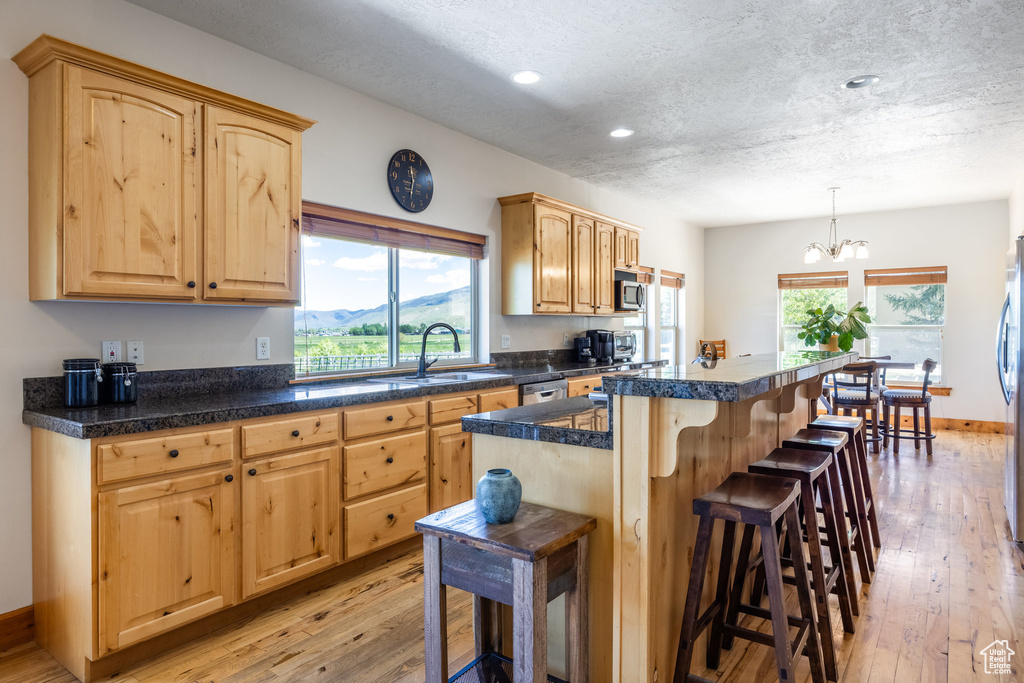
(576, 421)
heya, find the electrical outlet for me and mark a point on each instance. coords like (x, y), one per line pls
(506, 341)
(111, 351)
(565, 339)
(135, 351)
(262, 348)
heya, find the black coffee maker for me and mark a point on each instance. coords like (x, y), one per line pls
(581, 347)
(602, 345)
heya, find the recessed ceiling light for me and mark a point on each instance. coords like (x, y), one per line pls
(621, 133)
(526, 77)
(861, 82)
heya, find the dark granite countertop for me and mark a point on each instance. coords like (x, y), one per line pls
(206, 401)
(576, 421)
(731, 379)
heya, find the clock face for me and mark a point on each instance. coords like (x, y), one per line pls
(410, 181)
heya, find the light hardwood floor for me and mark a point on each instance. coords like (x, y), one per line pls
(948, 583)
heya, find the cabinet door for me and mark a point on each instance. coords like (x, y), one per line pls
(621, 248)
(551, 260)
(451, 467)
(253, 208)
(166, 556)
(582, 265)
(604, 269)
(633, 249)
(130, 189)
(289, 518)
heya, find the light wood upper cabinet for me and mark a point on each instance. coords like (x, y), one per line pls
(557, 258)
(290, 518)
(146, 187)
(130, 189)
(583, 276)
(166, 556)
(604, 269)
(253, 208)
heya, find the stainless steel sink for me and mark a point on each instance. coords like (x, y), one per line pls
(438, 378)
(469, 376)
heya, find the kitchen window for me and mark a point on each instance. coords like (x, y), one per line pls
(371, 285)
(800, 292)
(671, 286)
(908, 318)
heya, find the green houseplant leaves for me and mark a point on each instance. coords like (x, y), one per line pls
(823, 323)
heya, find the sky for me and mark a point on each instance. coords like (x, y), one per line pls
(339, 274)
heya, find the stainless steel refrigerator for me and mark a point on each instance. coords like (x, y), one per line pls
(1008, 349)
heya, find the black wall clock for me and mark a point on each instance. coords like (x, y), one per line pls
(410, 180)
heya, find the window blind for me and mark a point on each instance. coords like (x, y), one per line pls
(905, 276)
(671, 279)
(825, 280)
(645, 275)
(368, 228)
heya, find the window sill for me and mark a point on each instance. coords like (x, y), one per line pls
(327, 376)
(933, 390)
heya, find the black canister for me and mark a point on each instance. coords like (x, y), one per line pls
(82, 377)
(119, 383)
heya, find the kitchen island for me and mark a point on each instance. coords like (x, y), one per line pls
(676, 432)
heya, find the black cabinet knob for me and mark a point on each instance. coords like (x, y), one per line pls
(174, 453)
(213, 285)
(252, 472)
(295, 433)
(390, 459)
(230, 477)
(391, 418)
(391, 517)
(191, 284)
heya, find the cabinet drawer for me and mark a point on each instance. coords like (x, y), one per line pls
(289, 433)
(498, 400)
(172, 453)
(451, 409)
(384, 419)
(382, 464)
(581, 386)
(381, 521)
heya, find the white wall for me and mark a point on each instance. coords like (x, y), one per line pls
(343, 164)
(741, 264)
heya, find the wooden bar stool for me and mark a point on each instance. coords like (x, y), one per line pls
(816, 472)
(761, 501)
(854, 428)
(526, 563)
(835, 443)
(909, 398)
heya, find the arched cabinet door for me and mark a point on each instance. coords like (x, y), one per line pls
(253, 208)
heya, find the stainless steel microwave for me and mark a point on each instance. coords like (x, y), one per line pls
(629, 296)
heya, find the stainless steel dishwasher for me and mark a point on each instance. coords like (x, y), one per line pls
(542, 392)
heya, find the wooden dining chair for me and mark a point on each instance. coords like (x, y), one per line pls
(881, 370)
(856, 391)
(895, 399)
(719, 346)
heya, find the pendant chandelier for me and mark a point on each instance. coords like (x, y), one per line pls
(836, 250)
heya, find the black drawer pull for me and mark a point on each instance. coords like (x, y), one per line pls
(252, 472)
(174, 453)
(390, 459)
(230, 477)
(191, 284)
(295, 433)
(391, 418)
(213, 285)
(391, 517)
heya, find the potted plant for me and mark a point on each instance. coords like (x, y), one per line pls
(833, 329)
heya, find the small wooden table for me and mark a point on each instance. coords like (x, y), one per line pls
(526, 563)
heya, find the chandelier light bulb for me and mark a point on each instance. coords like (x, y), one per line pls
(862, 250)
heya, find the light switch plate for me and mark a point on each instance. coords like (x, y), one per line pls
(506, 341)
(262, 348)
(135, 351)
(565, 339)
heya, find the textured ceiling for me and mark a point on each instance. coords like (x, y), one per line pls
(736, 104)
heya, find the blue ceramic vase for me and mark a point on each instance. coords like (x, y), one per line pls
(498, 494)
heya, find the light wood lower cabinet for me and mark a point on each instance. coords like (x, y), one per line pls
(451, 462)
(384, 463)
(581, 386)
(289, 518)
(166, 555)
(384, 520)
